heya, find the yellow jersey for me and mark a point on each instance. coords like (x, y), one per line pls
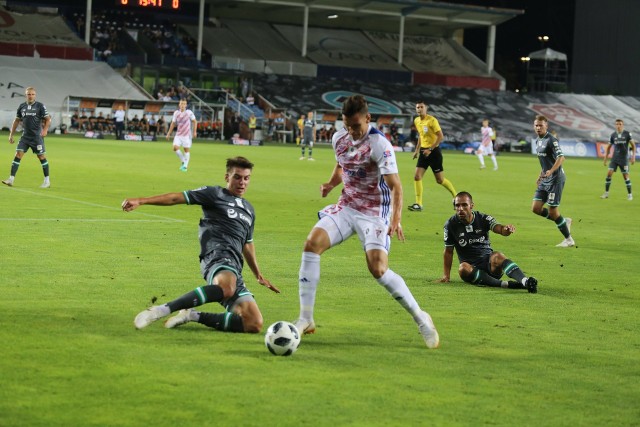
(427, 129)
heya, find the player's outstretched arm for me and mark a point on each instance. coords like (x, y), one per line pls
(168, 199)
(504, 230)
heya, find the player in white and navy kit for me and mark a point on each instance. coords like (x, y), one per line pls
(186, 124)
(226, 241)
(551, 180)
(486, 146)
(369, 206)
(35, 126)
(620, 140)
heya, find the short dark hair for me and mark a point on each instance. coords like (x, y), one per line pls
(355, 104)
(465, 193)
(541, 118)
(238, 162)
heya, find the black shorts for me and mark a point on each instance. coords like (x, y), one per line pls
(217, 261)
(36, 146)
(550, 193)
(484, 264)
(433, 160)
(615, 164)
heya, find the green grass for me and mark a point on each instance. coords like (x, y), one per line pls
(76, 270)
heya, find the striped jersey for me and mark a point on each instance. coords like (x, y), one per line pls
(364, 164)
(487, 133)
(183, 119)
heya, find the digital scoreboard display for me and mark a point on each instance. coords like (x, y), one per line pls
(166, 5)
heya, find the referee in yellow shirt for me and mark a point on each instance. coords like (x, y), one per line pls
(428, 153)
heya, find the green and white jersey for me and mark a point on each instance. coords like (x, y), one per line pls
(227, 221)
(32, 116)
(548, 150)
(620, 142)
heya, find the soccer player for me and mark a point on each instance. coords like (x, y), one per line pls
(551, 180)
(35, 126)
(428, 153)
(185, 122)
(620, 140)
(226, 235)
(369, 206)
(468, 233)
(486, 146)
(308, 135)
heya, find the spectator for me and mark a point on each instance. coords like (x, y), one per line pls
(119, 119)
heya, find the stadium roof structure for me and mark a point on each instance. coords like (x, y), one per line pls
(412, 17)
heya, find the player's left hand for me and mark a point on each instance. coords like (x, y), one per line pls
(264, 282)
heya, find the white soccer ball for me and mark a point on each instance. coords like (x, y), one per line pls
(282, 338)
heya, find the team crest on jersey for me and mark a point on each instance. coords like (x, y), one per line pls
(469, 228)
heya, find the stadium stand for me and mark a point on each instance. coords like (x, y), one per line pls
(56, 80)
(40, 36)
(577, 118)
(284, 84)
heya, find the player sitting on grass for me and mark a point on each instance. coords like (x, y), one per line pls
(468, 232)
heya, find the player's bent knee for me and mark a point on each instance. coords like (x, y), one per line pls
(252, 325)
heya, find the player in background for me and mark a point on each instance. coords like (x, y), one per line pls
(551, 180)
(620, 140)
(185, 123)
(369, 206)
(486, 146)
(428, 153)
(468, 233)
(308, 135)
(226, 240)
(35, 126)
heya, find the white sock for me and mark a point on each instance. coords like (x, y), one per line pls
(495, 161)
(308, 279)
(481, 158)
(187, 156)
(395, 285)
(180, 156)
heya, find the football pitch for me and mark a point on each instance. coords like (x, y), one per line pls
(76, 270)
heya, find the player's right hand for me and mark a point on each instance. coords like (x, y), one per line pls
(443, 279)
(10, 139)
(129, 205)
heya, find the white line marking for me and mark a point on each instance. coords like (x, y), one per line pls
(44, 193)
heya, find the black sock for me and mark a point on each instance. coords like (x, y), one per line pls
(227, 322)
(628, 184)
(545, 213)
(199, 296)
(480, 277)
(512, 270)
(14, 166)
(45, 167)
(607, 184)
(562, 226)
